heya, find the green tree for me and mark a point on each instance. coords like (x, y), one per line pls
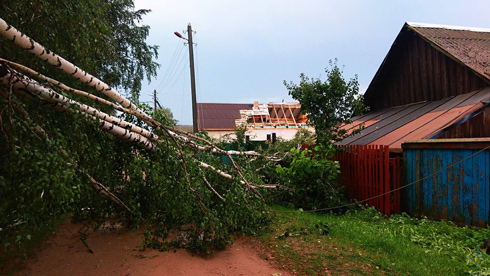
(103, 37)
(165, 116)
(47, 160)
(329, 103)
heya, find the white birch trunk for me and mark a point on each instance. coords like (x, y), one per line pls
(21, 82)
(28, 44)
(106, 123)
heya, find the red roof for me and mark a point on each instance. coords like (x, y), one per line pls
(393, 126)
(219, 116)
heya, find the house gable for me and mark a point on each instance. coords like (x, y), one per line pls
(429, 63)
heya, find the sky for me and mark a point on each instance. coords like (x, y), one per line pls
(246, 49)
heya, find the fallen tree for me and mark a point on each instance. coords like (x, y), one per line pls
(157, 180)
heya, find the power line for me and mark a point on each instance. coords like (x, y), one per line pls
(176, 55)
(180, 74)
(179, 67)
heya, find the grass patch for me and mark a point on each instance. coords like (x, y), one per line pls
(365, 242)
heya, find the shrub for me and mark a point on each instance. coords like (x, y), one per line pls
(311, 179)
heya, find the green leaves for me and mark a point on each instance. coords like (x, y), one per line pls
(329, 103)
(311, 177)
(44, 177)
(102, 37)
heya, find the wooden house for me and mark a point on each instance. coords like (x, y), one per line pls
(432, 87)
(433, 83)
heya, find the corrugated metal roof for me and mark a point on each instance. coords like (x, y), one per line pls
(470, 46)
(395, 125)
(219, 116)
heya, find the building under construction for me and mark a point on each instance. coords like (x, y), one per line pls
(263, 121)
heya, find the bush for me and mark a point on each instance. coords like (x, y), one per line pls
(311, 179)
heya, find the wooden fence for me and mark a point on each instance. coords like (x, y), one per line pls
(371, 176)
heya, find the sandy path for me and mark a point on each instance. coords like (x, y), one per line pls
(120, 253)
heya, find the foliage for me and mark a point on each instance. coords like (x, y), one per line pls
(329, 103)
(165, 116)
(240, 133)
(311, 179)
(46, 156)
(102, 37)
(282, 148)
(43, 178)
(372, 244)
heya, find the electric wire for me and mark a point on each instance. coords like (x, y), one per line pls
(171, 65)
(180, 74)
(199, 98)
(175, 70)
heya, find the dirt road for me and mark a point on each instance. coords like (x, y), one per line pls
(121, 253)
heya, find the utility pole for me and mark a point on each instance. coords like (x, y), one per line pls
(193, 76)
(193, 80)
(154, 101)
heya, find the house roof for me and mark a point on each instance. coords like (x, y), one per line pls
(467, 46)
(219, 116)
(393, 126)
(226, 116)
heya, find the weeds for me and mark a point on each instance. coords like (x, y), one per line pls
(365, 242)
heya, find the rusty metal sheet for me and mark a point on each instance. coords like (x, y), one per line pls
(443, 118)
(419, 121)
(411, 125)
(366, 119)
(371, 133)
(382, 135)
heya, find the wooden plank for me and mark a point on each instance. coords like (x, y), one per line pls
(368, 166)
(438, 188)
(430, 72)
(486, 175)
(398, 181)
(481, 178)
(467, 182)
(358, 172)
(375, 161)
(410, 160)
(437, 79)
(427, 206)
(387, 180)
(363, 173)
(371, 176)
(418, 191)
(422, 75)
(377, 178)
(457, 187)
(444, 185)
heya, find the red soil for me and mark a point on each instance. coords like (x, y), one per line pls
(121, 253)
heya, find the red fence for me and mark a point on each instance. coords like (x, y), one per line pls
(369, 174)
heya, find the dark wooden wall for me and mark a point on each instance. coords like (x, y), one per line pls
(476, 127)
(415, 71)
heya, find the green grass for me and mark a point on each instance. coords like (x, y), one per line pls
(365, 242)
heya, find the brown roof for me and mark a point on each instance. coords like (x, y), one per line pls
(469, 46)
(219, 116)
(393, 126)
